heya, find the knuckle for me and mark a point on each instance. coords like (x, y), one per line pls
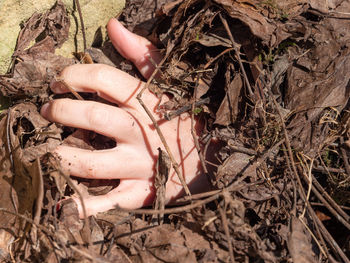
(98, 73)
(91, 168)
(98, 117)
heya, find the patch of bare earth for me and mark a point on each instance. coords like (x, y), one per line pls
(270, 79)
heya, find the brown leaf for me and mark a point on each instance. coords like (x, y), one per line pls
(153, 240)
(213, 40)
(299, 243)
(320, 5)
(52, 27)
(37, 65)
(319, 80)
(257, 23)
(234, 166)
(229, 108)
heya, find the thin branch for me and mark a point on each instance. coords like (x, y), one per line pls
(71, 89)
(172, 114)
(217, 57)
(72, 185)
(314, 237)
(234, 45)
(309, 181)
(344, 157)
(29, 220)
(160, 134)
(227, 233)
(330, 240)
(330, 200)
(289, 148)
(9, 149)
(171, 210)
(210, 177)
(81, 22)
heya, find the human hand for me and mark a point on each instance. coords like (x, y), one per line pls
(133, 159)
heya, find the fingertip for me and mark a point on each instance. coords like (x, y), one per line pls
(133, 47)
(44, 110)
(57, 87)
(116, 32)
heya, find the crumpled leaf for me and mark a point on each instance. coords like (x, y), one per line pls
(257, 23)
(229, 108)
(318, 80)
(37, 64)
(237, 164)
(96, 13)
(52, 27)
(299, 243)
(29, 136)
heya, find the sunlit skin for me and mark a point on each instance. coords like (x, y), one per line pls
(134, 158)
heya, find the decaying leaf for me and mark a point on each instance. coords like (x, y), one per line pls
(299, 243)
(236, 165)
(257, 23)
(276, 62)
(161, 178)
(229, 108)
(309, 94)
(37, 64)
(95, 14)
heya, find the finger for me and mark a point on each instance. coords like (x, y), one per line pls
(89, 115)
(130, 194)
(120, 162)
(109, 83)
(133, 47)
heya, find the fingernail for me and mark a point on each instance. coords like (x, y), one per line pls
(56, 86)
(58, 207)
(44, 110)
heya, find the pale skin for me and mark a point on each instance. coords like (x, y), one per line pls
(133, 159)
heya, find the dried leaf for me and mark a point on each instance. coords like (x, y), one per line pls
(161, 178)
(299, 243)
(257, 23)
(229, 108)
(52, 26)
(234, 166)
(319, 80)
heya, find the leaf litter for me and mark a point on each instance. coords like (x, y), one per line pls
(270, 79)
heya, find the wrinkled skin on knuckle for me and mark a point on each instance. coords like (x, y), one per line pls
(99, 73)
(97, 116)
(91, 168)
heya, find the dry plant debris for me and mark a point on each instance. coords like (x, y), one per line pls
(270, 79)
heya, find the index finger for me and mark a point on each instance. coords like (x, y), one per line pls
(110, 83)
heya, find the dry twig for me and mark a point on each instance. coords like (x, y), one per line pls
(9, 149)
(227, 232)
(82, 23)
(234, 45)
(160, 134)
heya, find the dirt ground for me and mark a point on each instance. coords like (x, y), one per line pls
(270, 79)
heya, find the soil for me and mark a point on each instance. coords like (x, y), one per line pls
(269, 78)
